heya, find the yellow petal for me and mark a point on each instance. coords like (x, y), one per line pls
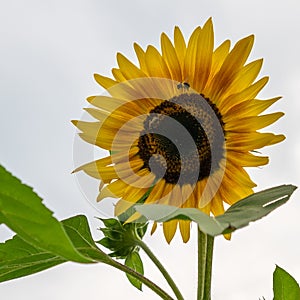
(108, 173)
(251, 107)
(91, 139)
(106, 103)
(185, 228)
(169, 229)
(133, 218)
(239, 174)
(254, 123)
(218, 58)
(187, 196)
(238, 55)
(105, 82)
(118, 75)
(277, 138)
(176, 196)
(209, 187)
(134, 194)
(97, 113)
(92, 167)
(141, 55)
(105, 193)
(156, 192)
(146, 179)
(169, 55)
(89, 130)
(205, 46)
(115, 188)
(154, 227)
(232, 64)
(128, 69)
(86, 126)
(251, 141)
(246, 159)
(121, 206)
(117, 89)
(203, 198)
(227, 236)
(156, 65)
(247, 94)
(243, 78)
(190, 57)
(166, 196)
(231, 192)
(217, 207)
(128, 122)
(180, 46)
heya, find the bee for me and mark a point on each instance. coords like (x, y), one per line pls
(184, 86)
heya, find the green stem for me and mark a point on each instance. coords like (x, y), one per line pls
(205, 253)
(202, 241)
(208, 270)
(155, 288)
(162, 269)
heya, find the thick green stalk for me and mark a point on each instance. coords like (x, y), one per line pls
(162, 269)
(208, 269)
(160, 292)
(205, 253)
(202, 242)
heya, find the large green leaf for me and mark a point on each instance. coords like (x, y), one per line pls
(255, 206)
(237, 216)
(285, 286)
(23, 212)
(19, 258)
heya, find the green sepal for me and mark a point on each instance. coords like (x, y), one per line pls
(285, 287)
(114, 235)
(110, 222)
(121, 238)
(134, 261)
(237, 216)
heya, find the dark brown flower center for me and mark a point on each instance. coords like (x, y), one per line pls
(183, 139)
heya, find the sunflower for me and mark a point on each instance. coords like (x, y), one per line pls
(180, 127)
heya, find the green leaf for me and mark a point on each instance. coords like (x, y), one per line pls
(285, 286)
(23, 212)
(133, 261)
(19, 258)
(78, 230)
(163, 213)
(255, 206)
(237, 216)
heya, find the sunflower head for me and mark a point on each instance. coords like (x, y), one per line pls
(180, 127)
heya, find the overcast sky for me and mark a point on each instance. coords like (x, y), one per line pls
(48, 54)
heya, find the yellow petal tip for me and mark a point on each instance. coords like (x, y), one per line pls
(74, 122)
(227, 236)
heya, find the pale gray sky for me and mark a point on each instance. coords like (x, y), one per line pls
(49, 52)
